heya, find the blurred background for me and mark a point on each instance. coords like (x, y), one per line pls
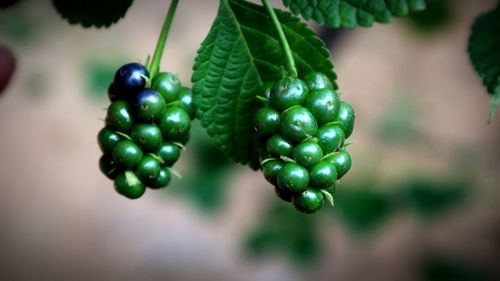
(421, 201)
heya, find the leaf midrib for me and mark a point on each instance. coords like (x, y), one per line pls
(238, 27)
(249, 54)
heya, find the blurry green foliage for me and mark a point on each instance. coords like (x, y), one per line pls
(435, 268)
(362, 208)
(98, 75)
(430, 198)
(437, 15)
(399, 122)
(18, 25)
(283, 230)
(205, 182)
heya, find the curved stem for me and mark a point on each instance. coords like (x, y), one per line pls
(160, 45)
(284, 43)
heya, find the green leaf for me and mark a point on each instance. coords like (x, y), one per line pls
(241, 53)
(351, 13)
(92, 12)
(484, 53)
(495, 100)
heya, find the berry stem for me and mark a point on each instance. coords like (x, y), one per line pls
(284, 43)
(160, 45)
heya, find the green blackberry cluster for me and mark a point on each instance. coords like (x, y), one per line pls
(304, 126)
(145, 129)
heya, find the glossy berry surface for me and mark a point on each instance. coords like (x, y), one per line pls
(186, 101)
(288, 92)
(318, 81)
(267, 121)
(127, 154)
(147, 136)
(303, 156)
(167, 85)
(107, 139)
(278, 146)
(161, 180)
(324, 105)
(119, 116)
(266, 93)
(322, 175)
(307, 153)
(297, 123)
(341, 161)
(283, 195)
(129, 185)
(293, 178)
(175, 124)
(148, 105)
(148, 168)
(108, 166)
(346, 117)
(270, 169)
(169, 153)
(130, 79)
(114, 94)
(308, 201)
(146, 127)
(330, 137)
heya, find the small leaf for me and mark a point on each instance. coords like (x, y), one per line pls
(267, 160)
(92, 12)
(328, 197)
(180, 145)
(287, 159)
(131, 178)
(484, 53)
(175, 173)
(123, 135)
(351, 13)
(158, 158)
(240, 54)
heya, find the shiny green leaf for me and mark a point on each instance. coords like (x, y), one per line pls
(351, 13)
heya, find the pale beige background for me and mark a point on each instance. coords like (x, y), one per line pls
(61, 220)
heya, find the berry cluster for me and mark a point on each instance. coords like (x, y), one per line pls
(145, 129)
(304, 125)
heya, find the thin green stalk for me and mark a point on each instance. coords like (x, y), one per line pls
(284, 43)
(160, 45)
